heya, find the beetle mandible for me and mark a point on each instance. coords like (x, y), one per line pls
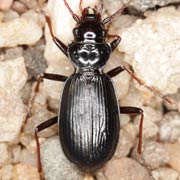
(88, 116)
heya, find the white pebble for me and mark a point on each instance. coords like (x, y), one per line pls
(5, 156)
(25, 172)
(19, 31)
(165, 173)
(16, 153)
(12, 115)
(173, 150)
(55, 164)
(6, 172)
(13, 76)
(169, 127)
(125, 169)
(126, 142)
(28, 158)
(152, 48)
(5, 4)
(155, 154)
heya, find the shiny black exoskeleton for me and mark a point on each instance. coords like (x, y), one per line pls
(89, 111)
(88, 115)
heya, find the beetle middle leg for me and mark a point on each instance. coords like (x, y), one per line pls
(121, 68)
(39, 128)
(54, 77)
(138, 111)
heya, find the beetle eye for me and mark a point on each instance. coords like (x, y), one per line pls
(76, 32)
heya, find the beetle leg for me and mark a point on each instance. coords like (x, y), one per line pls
(39, 128)
(119, 69)
(54, 77)
(135, 110)
(59, 43)
(139, 111)
(115, 42)
(115, 71)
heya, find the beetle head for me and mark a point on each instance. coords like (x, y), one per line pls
(90, 28)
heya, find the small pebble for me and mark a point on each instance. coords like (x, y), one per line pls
(125, 169)
(5, 156)
(12, 115)
(61, 166)
(165, 174)
(13, 75)
(5, 4)
(155, 154)
(173, 150)
(125, 119)
(19, 7)
(161, 70)
(169, 127)
(28, 158)
(19, 31)
(10, 15)
(126, 142)
(31, 4)
(6, 172)
(133, 98)
(25, 172)
(16, 153)
(35, 17)
(13, 53)
(34, 60)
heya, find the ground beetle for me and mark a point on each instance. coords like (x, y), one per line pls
(88, 116)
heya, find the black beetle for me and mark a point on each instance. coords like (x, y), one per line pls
(88, 116)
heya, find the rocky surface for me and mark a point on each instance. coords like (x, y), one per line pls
(165, 173)
(137, 4)
(19, 31)
(125, 168)
(157, 62)
(13, 77)
(61, 168)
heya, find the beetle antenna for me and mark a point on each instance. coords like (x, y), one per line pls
(119, 11)
(75, 16)
(101, 6)
(80, 5)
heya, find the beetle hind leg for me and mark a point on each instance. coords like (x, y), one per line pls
(138, 111)
(39, 128)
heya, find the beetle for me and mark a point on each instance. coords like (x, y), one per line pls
(88, 116)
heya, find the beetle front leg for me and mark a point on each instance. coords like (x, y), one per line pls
(138, 111)
(59, 43)
(39, 128)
